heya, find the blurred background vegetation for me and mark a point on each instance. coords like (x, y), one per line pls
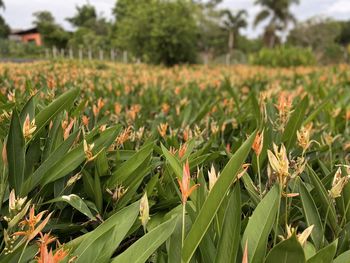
(180, 31)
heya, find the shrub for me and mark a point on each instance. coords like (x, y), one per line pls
(284, 57)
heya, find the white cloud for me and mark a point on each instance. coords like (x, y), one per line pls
(339, 7)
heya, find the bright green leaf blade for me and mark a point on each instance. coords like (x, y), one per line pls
(48, 113)
(15, 153)
(100, 244)
(128, 167)
(260, 224)
(214, 200)
(143, 248)
(326, 254)
(311, 215)
(343, 258)
(76, 202)
(230, 234)
(287, 251)
(294, 123)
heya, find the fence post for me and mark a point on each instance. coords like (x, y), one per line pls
(90, 54)
(112, 55)
(47, 53)
(80, 54)
(125, 56)
(54, 52)
(70, 53)
(62, 52)
(101, 54)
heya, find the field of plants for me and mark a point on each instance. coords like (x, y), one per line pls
(133, 163)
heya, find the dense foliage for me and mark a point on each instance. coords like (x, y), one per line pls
(222, 163)
(284, 57)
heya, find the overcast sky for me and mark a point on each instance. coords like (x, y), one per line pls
(18, 13)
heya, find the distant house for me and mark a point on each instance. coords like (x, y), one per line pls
(27, 36)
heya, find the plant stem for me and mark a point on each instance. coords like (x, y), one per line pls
(20, 258)
(259, 176)
(278, 215)
(183, 224)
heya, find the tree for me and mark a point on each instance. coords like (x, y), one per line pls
(92, 31)
(4, 27)
(157, 31)
(233, 23)
(85, 17)
(52, 33)
(315, 33)
(279, 15)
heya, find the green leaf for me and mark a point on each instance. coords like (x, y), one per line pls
(76, 202)
(174, 163)
(214, 200)
(294, 123)
(326, 204)
(326, 254)
(100, 244)
(143, 248)
(28, 109)
(48, 113)
(55, 158)
(15, 153)
(76, 156)
(287, 251)
(311, 215)
(230, 234)
(342, 258)
(128, 167)
(260, 224)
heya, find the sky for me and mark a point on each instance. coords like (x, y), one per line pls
(18, 13)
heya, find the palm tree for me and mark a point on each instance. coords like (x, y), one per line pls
(279, 15)
(233, 23)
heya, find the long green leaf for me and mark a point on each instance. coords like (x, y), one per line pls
(16, 153)
(295, 123)
(143, 248)
(311, 215)
(287, 251)
(214, 200)
(128, 167)
(326, 254)
(76, 202)
(230, 234)
(48, 113)
(100, 244)
(260, 224)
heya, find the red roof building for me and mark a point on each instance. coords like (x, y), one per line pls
(27, 36)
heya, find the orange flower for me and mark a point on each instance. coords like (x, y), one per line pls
(46, 256)
(185, 188)
(162, 129)
(31, 223)
(85, 120)
(258, 143)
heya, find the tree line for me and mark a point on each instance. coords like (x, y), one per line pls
(179, 31)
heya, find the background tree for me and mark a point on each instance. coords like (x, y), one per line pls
(211, 36)
(157, 31)
(52, 33)
(233, 22)
(92, 31)
(4, 27)
(279, 15)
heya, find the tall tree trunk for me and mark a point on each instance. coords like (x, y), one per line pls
(231, 39)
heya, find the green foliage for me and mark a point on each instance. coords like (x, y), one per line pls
(158, 31)
(284, 57)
